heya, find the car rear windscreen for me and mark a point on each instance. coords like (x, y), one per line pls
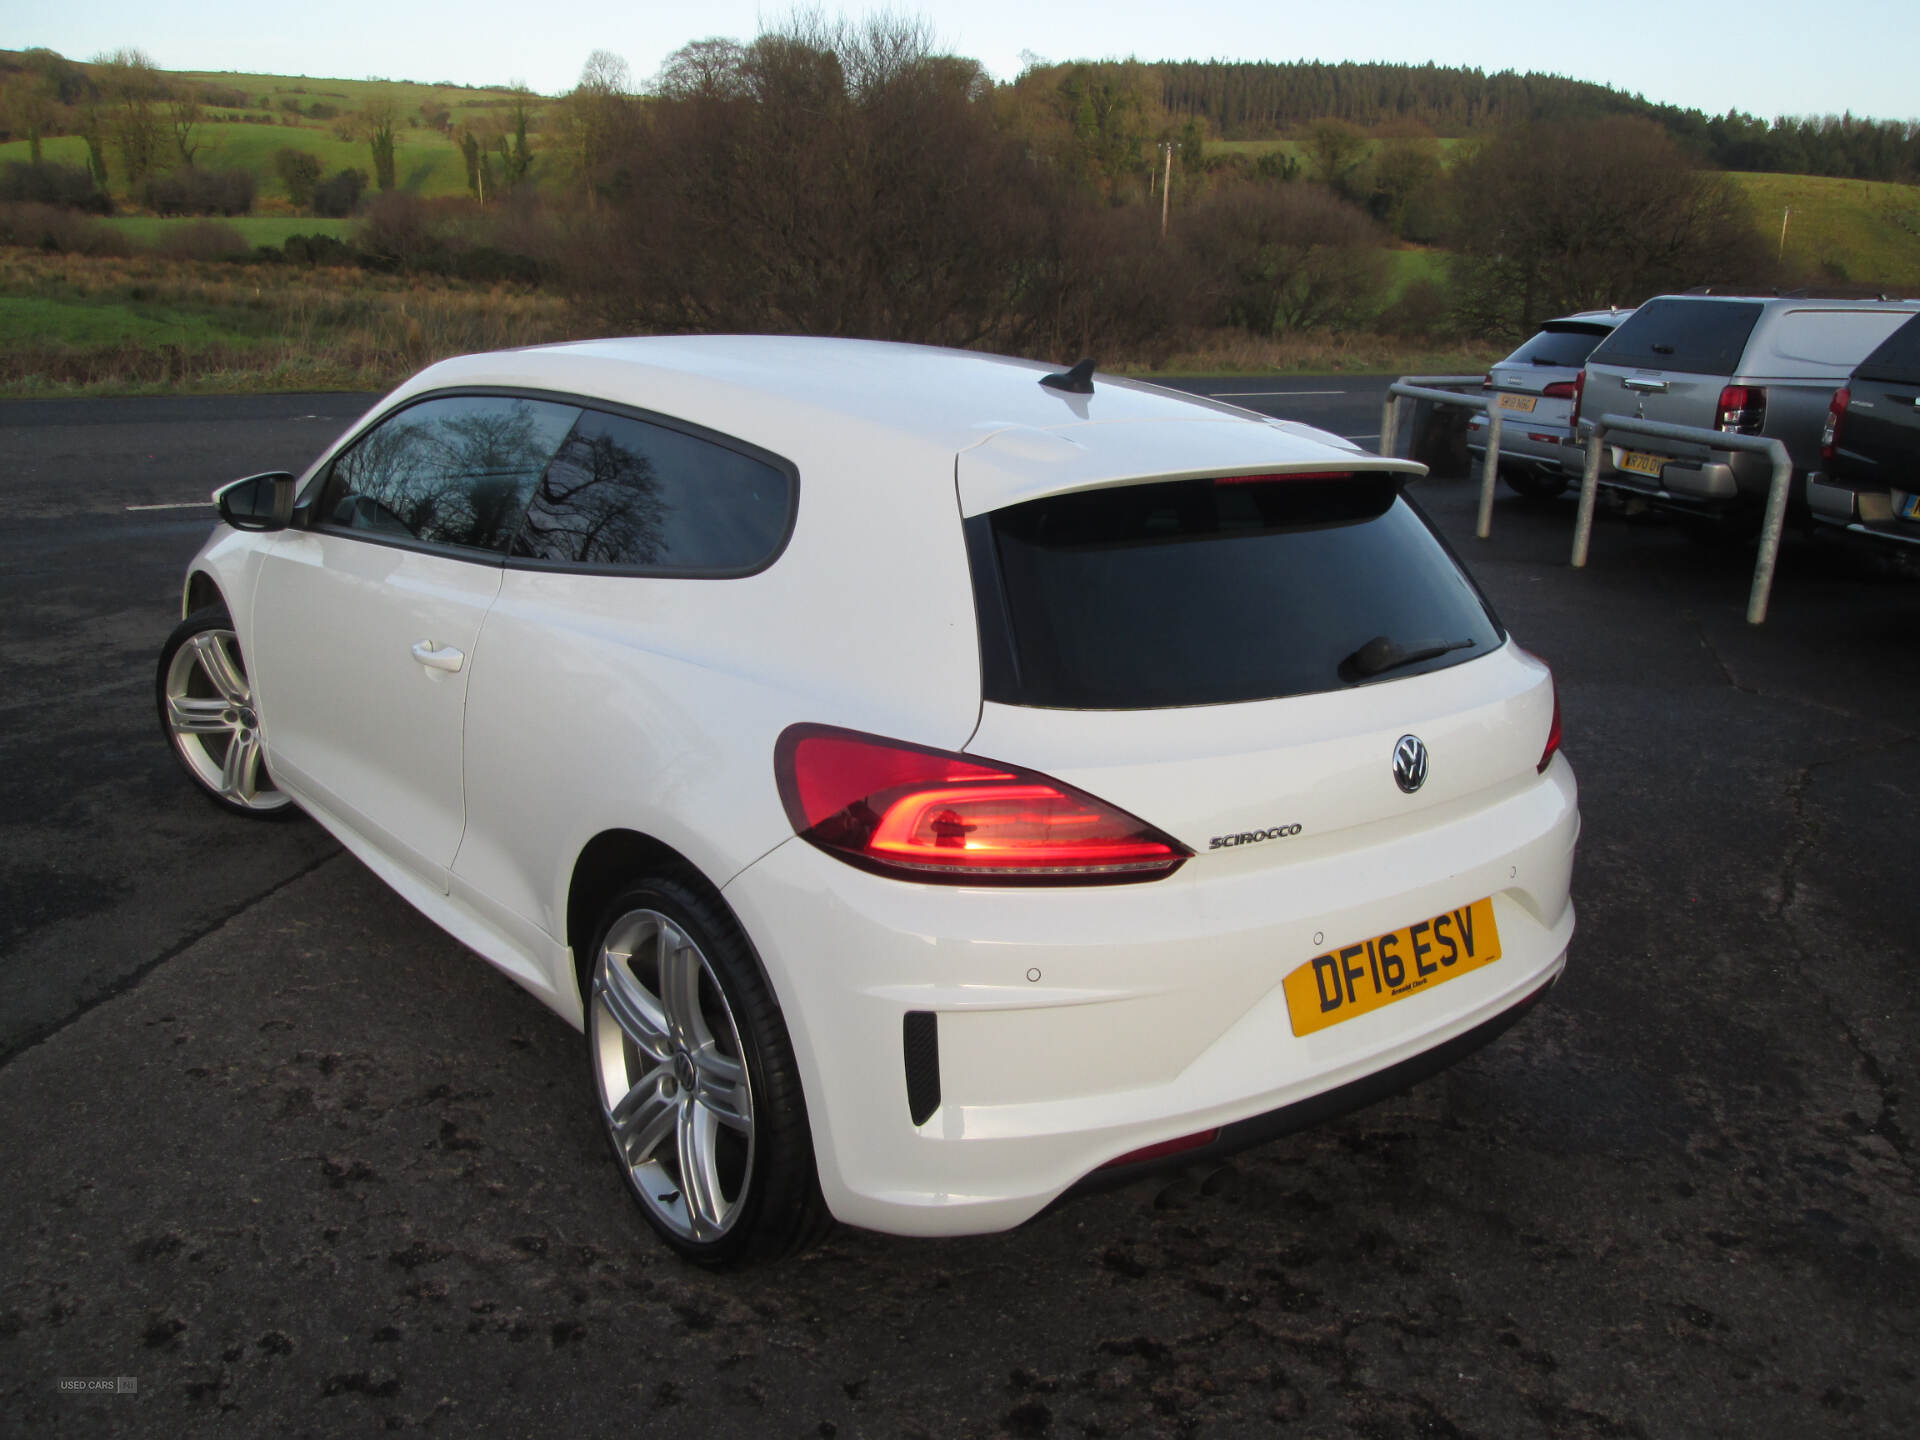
(1566, 345)
(1207, 592)
(1695, 337)
(1898, 358)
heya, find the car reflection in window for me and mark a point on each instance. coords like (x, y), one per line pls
(456, 472)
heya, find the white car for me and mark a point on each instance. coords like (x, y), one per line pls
(932, 784)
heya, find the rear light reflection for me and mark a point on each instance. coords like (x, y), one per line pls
(1163, 1149)
(921, 814)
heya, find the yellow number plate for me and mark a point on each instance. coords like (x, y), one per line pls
(1360, 978)
(1642, 464)
(1523, 403)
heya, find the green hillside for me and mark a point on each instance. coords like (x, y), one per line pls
(248, 118)
(1864, 232)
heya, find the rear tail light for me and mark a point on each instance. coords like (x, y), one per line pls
(1579, 395)
(919, 814)
(1486, 381)
(1553, 731)
(1560, 390)
(1836, 414)
(1742, 409)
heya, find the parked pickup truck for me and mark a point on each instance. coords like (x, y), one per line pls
(1754, 365)
(1869, 480)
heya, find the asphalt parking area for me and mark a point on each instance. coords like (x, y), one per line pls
(306, 1165)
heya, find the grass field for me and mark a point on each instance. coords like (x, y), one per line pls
(73, 325)
(427, 161)
(1863, 232)
(257, 229)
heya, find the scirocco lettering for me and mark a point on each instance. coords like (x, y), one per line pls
(1247, 837)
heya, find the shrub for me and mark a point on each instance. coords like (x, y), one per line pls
(203, 240)
(339, 194)
(50, 228)
(189, 190)
(319, 250)
(299, 171)
(1286, 257)
(70, 187)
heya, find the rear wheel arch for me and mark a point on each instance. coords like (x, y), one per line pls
(606, 865)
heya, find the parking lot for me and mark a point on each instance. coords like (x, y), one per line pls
(288, 1157)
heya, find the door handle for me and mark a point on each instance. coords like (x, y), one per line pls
(1634, 382)
(443, 658)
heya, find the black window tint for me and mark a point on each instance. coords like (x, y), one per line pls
(1696, 337)
(625, 493)
(452, 471)
(1199, 592)
(1898, 358)
(1564, 345)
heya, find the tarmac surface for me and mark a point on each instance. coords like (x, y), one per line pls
(292, 1161)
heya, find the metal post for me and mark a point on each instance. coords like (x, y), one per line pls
(1389, 424)
(1166, 191)
(1770, 537)
(1489, 473)
(1589, 489)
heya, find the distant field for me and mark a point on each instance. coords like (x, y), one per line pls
(427, 161)
(258, 229)
(1863, 232)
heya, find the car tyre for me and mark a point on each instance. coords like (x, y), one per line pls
(1533, 484)
(694, 1078)
(207, 713)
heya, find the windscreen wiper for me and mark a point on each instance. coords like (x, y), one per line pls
(1380, 654)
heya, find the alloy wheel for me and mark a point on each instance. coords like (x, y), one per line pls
(672, 1076)
(210, 715)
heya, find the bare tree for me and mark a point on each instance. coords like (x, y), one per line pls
(590, 120)
(183, 117)
(702, 70)
(1553, 218)
(133, 94)
(1286, 257)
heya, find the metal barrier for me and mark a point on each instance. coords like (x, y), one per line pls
(1423, 387)
(1770, 528)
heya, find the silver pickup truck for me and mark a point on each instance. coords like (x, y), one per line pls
(1755, 365)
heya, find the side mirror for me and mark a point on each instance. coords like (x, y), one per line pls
(259, 502)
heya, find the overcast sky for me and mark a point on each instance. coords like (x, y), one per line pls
(1768, 57)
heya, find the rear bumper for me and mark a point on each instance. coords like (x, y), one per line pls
(1867, 513)
(1541, 446)
(1076, 1026)
(1329, 1104)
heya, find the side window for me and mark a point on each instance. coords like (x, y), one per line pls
(453, 471)
(624, 493)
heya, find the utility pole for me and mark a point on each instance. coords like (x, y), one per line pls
(1166, 188)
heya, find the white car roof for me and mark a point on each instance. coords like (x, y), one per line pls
(806, 397)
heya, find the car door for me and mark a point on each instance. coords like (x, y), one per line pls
(366, 615)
